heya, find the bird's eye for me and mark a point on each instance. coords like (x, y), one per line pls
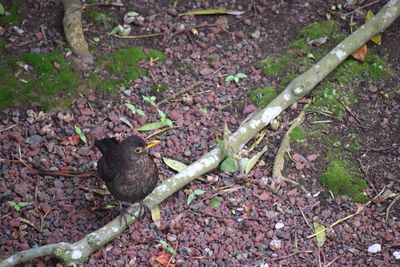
(138, 150)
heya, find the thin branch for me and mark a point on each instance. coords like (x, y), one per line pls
(184, 90)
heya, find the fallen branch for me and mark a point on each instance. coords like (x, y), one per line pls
(280, 155)
(80, 251)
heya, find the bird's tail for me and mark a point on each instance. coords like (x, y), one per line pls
(106, 144)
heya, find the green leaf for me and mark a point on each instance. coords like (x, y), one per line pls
(108, 207)
(229, 78)
(131, 107)
(199, 192)
(2, 11)
(167, 247)
(12, 203)
(220, 143)
(174, 164)
(140, 112)
(118, 30)
(321, 233)
(241, 75)
(17, 208)
(190, 198)
(151, 100)
(162, 114)
(78, 130)
(169, 123)
(204, 110)
(229, 165)
(152, 126)
(214, 202)
(254, 159)
(23, 204)
(236, 79)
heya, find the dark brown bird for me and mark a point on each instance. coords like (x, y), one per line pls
(127, 169)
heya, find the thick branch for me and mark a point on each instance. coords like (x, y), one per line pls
(72, 23)
(81, 250)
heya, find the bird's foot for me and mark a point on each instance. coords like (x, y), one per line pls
(125, 211)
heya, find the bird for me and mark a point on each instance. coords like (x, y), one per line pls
(129, 172)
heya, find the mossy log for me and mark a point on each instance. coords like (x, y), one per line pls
(80, 251)
(72, 23)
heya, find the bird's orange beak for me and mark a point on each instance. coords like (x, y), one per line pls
(152, 144)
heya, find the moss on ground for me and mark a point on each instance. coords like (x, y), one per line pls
(43, 79)
(13, 15)
(158, 88)
(123, 65)
(331, 94)
(340, 180)
(320, 29)
(275, 65)
(49, 81)
(262, 96)
(299, 135)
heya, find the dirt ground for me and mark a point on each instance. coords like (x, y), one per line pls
(251, 225)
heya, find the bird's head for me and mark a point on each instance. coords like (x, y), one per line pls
(138, 146)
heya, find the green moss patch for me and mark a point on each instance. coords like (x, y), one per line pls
(299, 135)
(340, 180)
(334, 91)
(123, 68)
(320, 29)
(44, 79)
(12, 16)
(262, 96)
(49, 81)
(275, 65)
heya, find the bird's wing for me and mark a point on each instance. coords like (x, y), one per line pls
(109, 166)
(106, 144)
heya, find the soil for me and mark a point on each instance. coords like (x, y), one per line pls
(244, 230)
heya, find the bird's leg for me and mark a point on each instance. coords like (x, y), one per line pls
(125, 210)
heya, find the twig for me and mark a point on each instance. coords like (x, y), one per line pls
(359, 8)
(332, 261)
(8, 128)
(305, 219)
(184, 90)
(63, 173)
(23, 220)
(82, 7)
(397, 197)
(138, 36)
(290, 255)
(359, 209)
(349, 111)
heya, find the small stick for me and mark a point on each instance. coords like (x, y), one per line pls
(305, 219)
(8, 128)
(291, 255)
(349, 111)
(391, 205)
(184, 90)
(138, 36)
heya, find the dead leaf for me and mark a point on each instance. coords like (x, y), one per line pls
(377, 38)
(164, 259)
(361, 53)
(156, 216)
(264, 196)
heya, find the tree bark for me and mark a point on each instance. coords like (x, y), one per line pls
(78, 252)
(72, 23)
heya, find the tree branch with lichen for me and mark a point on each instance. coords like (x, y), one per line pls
(80, 251)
